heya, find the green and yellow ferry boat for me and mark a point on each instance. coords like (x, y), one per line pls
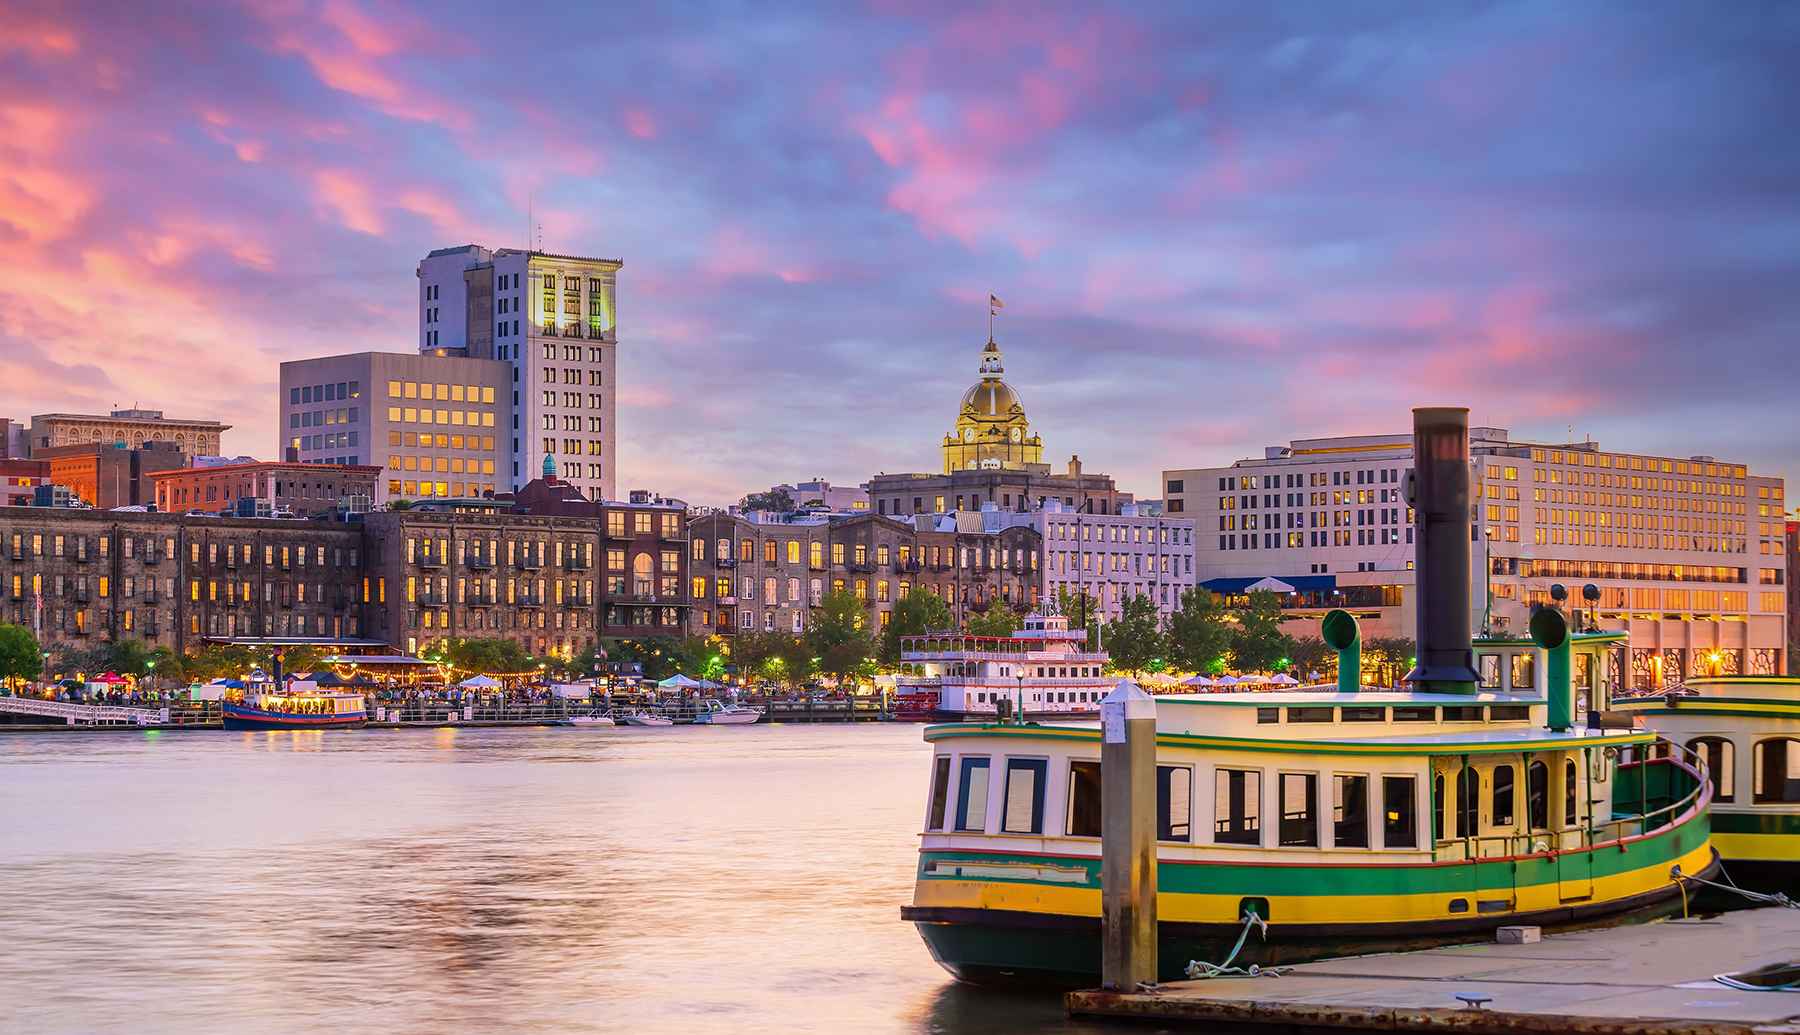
(1747, 729)
(1349, 822)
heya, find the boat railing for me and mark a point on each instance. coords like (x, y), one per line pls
(1610, 832)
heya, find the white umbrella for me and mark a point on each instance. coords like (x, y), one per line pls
(480, 683)
(1285, 680)
(1227, 681)
(1201, 680)
(1270, 583)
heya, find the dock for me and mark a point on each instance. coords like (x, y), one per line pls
(1651, 978)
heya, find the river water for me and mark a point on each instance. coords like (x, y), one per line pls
(688, 879)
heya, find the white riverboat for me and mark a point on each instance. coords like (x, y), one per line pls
(714, 712)
(1043, 670)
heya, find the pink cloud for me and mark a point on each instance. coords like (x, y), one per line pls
(640, 123)
(348, 198)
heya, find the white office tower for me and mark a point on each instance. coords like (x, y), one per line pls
(554, 318)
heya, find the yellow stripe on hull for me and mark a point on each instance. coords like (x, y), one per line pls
(1756, 847)
(1179, 907)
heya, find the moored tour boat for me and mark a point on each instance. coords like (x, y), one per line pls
(1346, 822)
(302, 705)
(591, 720)
(1747, 728)
(717, 713)
(1043, 670)
(642, 718)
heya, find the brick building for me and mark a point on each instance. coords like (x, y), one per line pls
(132, 427)
(273, 486)
(107, 474)
(85, 576)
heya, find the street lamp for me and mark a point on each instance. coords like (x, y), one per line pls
(1019, 706)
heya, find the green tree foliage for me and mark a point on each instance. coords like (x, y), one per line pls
(1308, 654)
(1387, 659)
(755, 652)
(128, 657)
(219, 661)
(166, 663)
(1198, 635)
(1258, 644)
(1135, 638)
(489, 654)
(700, 657)
(778, 500)
(20, 655)
(797, 660)
(1082, 610)
(657, 655)
(997, 620)
(922, 611)
(838, 636)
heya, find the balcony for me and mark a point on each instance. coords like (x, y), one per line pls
(231, 560)
(725, 562)
(479, 600)
(151, 557)
(480, 562)
(150, 629)
(433, 600)
(81, 596)
(528, 600)
(151, 596)
(530, 563)
(82, 557)
(574, 564)
(429, 560)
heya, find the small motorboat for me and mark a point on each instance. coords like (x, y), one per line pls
(591, 720)
(717, 713)
(646, 719)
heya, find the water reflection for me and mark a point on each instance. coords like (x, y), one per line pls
(688, 879)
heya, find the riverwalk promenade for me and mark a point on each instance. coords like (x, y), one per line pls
(1654, 978)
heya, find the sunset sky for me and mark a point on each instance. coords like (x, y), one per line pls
(1215, 226)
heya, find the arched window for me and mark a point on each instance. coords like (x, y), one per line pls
(1505, 797)
(1719, 757)
(1468, 803)
(1776, 770)
(1571, 785)
(1437, 817)
(1537, 796)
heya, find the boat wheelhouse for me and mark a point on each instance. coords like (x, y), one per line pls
(1747, 728)
(1044, 669)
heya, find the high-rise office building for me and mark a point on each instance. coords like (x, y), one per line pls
(439, 425)
(553, 319)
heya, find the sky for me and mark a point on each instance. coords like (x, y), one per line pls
(1215, 226)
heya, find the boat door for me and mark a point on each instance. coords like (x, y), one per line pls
(1575, 855)
(1575, 875)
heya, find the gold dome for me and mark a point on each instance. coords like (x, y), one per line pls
(991, 397)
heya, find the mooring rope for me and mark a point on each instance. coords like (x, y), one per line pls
(1768, 899)
(1200, 969)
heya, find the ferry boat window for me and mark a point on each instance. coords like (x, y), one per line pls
(1718, 755)
(1537, 796)
(1084, 799)
(1490, 671)
(972, 795)
(1299, 810)
(940, 791)
(1265, 716)
(1777, 770)
(1399, 822)
(1468, 802)
(1309, 714)
(1509, 712)
(1571, 786)
(1524, 675)
(1024, 811)
(1462, 713)
(1350, 811)
(1364, 714)
(1237, 806)
(1505, 797)
(1415, 713)
(1174, 803)
(1437, 795)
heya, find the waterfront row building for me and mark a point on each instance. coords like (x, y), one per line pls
(766, 571)
(266, 488)
(132, 427)
(553, 581)
(1687, 553)
(1113, 557)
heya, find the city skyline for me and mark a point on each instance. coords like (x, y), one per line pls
(1275, 210)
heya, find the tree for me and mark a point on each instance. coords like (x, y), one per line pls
(20, 655)
(838, 635)
(492, 654)
(1308, 654)
(1258, 644)
(1391, 658)
(166, 663)
(1082, 609)
(1134, 639)
(752, 651)
(701, 657)
(796, 660)
(778, 500)
(997, 620)
(1198, 635)
(919, 612)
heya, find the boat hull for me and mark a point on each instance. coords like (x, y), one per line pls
(1025, 931)
(240, 717)
(1761, 850)
(728, 718)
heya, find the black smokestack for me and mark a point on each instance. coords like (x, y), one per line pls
(1439, 493)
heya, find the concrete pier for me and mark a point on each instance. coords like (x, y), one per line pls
(1650, 978)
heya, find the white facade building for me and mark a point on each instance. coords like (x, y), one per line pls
(554, 319)
(1116, 556)
(1686, 553)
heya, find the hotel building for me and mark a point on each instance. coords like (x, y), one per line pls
(1687, 553)
(553, 319)
(441, 426)
(1113, 557)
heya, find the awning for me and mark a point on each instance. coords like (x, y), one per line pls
(1294, 583)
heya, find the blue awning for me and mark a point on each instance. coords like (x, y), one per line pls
(1301, 583)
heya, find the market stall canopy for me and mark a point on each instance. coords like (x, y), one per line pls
(1285, 680)
(680, 682)
(1200, 681)
(1270, 583)
(480, 683)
